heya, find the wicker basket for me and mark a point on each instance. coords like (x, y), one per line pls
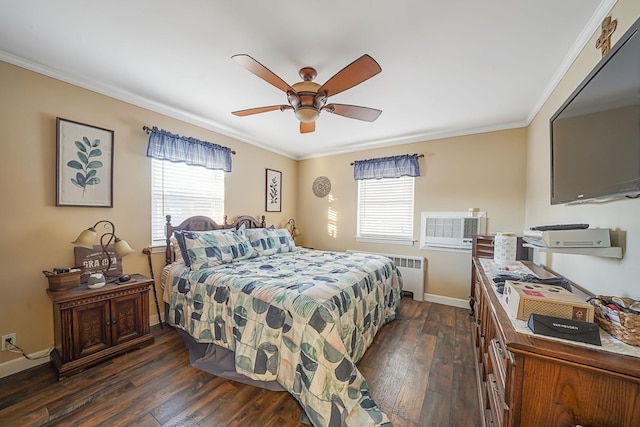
(619, 324)
(63, 281)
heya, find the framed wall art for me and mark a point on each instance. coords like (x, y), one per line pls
(273, 191)
(84, 171)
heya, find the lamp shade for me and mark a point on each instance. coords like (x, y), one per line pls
(122, 248)
(86, 238)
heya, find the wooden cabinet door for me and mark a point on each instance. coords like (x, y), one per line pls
(126, 318)
(90, 328)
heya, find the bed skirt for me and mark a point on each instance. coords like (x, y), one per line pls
(217, 360)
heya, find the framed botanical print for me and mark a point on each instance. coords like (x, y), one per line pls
(273, 191)
(84, 171)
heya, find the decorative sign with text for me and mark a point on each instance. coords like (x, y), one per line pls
(94, 261)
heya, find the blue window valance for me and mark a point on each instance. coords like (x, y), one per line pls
(164, 145)
(387, 167)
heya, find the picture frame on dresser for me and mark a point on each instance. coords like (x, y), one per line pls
(84, 164)
(273, 191)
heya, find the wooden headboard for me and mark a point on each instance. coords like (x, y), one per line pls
(203, 223)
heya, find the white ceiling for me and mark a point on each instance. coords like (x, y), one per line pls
(448, 67)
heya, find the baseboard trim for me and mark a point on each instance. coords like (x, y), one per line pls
(455, 302)
(22, 364)
(154, 320)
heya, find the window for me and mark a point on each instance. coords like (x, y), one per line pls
(385, 210)
(181, 190)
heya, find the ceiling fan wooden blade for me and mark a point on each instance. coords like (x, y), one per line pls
(258, 110)
(353, 74)
(306, 127)
(353, 111)
(261, 71)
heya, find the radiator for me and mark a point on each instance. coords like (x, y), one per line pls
(412, 270)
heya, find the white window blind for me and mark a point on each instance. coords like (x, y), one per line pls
(181, 191)
(385, 210)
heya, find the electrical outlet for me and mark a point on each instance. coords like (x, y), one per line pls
(10, 337)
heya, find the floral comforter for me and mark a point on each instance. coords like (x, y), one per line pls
(303, 319)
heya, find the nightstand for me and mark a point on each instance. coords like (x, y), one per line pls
(92, 325)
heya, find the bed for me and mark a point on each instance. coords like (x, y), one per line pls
(254, 308)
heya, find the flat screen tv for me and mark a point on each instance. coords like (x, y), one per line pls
(595, 135)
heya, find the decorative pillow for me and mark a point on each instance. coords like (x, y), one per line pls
(212, 248)
(181, 250)
(267, 241)
(175, 248)
(240, 231)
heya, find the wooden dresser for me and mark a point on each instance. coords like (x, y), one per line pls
(92, 325)
(527, 380)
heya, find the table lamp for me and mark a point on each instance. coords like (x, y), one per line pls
(88, 237)
(293, 229)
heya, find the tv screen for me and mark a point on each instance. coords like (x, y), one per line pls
(595, 135)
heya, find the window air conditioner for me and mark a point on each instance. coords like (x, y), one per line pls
(450, 230)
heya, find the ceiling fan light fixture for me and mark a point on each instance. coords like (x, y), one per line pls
(307, 114)
(307, 98)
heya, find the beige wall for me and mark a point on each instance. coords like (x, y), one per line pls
(599, 275)
(491, 172)
(37, 234)
(484, 171)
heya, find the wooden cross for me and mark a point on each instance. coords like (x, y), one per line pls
(604, 41)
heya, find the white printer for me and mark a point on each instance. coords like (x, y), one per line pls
(581, 238)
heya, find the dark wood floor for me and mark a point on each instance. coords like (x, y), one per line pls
(419, 369)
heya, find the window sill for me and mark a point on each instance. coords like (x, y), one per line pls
(158, 249)
(385, 241)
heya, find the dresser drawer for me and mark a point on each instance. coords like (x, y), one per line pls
(496, 402)
(497, 364)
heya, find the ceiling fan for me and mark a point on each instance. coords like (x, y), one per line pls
(307, 98)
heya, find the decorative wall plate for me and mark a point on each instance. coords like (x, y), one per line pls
(321, 186)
